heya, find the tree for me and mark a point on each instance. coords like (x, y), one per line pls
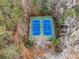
(10, 16)
(77, 9)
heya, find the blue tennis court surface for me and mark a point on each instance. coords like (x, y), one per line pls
(36, 27)
(47, 27)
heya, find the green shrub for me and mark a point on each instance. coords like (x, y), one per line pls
(11, 52)
(55, 42)
(61, 21)
(70, 12)
(29, 44)
(77, 9)
(10, 14)
(4, 36)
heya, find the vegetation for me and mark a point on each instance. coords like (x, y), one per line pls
(77, 9)
(70, 12)
(61, 21)
(4, 37)
(29, 44)
(10, 52)
(10, 15)
(55, 42)
(43, 7)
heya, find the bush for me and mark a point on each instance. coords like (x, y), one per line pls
(11, 52)
(70, 12)
(55, 42)
(4, 36)
(77, 9)
(10, 14)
